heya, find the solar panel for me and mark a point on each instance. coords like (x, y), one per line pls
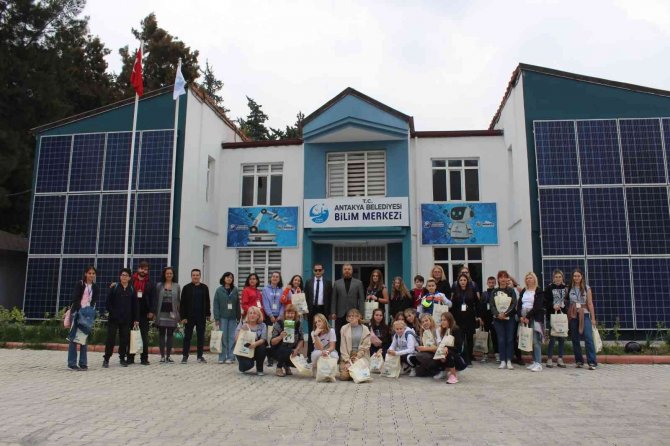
(650, 280)
(81, 227)
(556, 153)
(649, 220)
(152, 220)
(156, 265)
(87, 154)
(72, 271)
(113, 223)
(53, 164)
(561, 217)
(47, 225)
(565, 265)
(117, 157)
(642, 151)
(605, 221)
(609, 280)
(108, 272)
(599, 157)
(666, 139)
(41, 287)
(156, 160)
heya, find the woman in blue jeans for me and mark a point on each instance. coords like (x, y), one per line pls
(503, 318)
(227, 315)
(530, 309)
(86, 293)
(582, 319)
(253, 321)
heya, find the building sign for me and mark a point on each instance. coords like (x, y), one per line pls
(459, 224)
(263, 226)
(356, 212)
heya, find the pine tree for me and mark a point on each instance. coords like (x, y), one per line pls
(211, 87)
(254, 124)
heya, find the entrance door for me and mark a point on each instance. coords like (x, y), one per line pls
(362, 272)
(364, 260)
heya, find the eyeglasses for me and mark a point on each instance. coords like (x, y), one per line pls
(318, 270)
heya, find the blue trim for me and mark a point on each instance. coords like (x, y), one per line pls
(356, 123)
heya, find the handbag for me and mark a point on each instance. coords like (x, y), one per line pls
(391, 366)
(370, 307)
(481, 341)
(215, 341)
(300, 303)
(326, 369)
(242, 348)
(525, 338)
(80, 337)
(67, 319)
(377, 362)
(597, 341)
(438, 309)
(360, 371)
(559, 325)
(136, 345)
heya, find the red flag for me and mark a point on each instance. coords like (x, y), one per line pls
(136, 76)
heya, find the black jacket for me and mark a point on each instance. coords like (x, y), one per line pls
(465, 319)
(147, 303)
(537, 312)
(399, 303)
(187, 305)
(327, 294)
(79, 292)
(549, 297)
(122, 304)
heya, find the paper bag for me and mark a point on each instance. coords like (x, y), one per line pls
(391, 366)
(597, 341)
(215, 341)
(377, 362)
(289, 328)
(300, 302)
(481, 341)
(301, 364)
(360, 371)
(326, 369)
(244, 338)
(136, 345)
(370, 307)
(559, 325)
(525, 338)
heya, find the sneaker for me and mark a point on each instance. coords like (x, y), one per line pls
(497, 357)
(279, 372)
(537, 367)
(170, 360)
(412, 373)
(452, 379)
(162, 361)
(73, 367)
(560, 363)
(502, 365)
(593, 366)
(145, 362)
(509, 365)
(550, 363)
(579, 365)
(202, 360)
(270, 363)
(228, 361)
(184, 359)
(83, 367)
(288, 371)
(260, 373)
(530, 366)
(105, 364)
(406, 370)
(220, 361)
(439, 376)
(485, 359)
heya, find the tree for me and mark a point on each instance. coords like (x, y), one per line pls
(51, 68)
(161, 54)
(254, 124)
(211, 87)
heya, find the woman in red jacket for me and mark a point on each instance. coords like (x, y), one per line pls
(251, 295)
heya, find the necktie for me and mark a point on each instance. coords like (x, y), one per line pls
(316, 293)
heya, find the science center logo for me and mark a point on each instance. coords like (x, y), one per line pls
(318, 213)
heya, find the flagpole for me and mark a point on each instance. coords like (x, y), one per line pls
(130, 173)
(174, 169)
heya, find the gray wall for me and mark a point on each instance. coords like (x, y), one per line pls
(12, 278)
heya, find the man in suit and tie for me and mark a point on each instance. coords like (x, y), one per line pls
(348, 293)
(318, 294)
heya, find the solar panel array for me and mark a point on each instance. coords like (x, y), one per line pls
(79, 212)
(604, 206)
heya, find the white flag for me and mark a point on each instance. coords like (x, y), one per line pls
(179, 83)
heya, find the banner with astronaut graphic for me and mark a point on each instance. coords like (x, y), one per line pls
(459, 224)
(267, 226)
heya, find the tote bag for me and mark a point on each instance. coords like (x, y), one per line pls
(446, 342)
(428, 339)
(215, 341)
(300, 302)
(370, 307)
(597, 341)
(481, 341)
(301, 364)
(360, 371)
(438, 309)
(391, 366)
(559, 325)
(326, 369)
(135, 342)
(377, 362)
(245, 337)
(525, 338)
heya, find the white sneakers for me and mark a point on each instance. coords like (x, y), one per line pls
(535, 367)
(412, 372)
(509, 365)
(502, 365)
(439, 376)
(550, 363)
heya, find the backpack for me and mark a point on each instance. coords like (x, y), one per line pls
(412, 333)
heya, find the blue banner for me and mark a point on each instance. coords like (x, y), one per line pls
(263, 226)
(459, 224)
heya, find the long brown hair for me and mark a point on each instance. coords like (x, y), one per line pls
(402, 290)
(377, 285)
(582, 285)
(452, 323)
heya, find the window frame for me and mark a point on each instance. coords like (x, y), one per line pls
(274, 169)
(349, 159)
(261, 266)
(462, 169)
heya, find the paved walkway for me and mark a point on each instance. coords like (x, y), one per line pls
(42, 402)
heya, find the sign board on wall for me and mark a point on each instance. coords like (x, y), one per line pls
(275, 226)
(459, 224)
(356, 212)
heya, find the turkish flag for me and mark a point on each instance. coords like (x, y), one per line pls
(136, 76)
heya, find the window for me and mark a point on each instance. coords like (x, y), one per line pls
(357, 174)
(262, 184)
(259, 261)
(204, 269)
(456, 180)
(452, 259)
(211, 174)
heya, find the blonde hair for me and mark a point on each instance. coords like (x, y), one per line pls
(254, 310)
(399, 323)
(533, 275)
(322, 318)
(443, 277)
(294, 309)
(354, 312)
(432, 322)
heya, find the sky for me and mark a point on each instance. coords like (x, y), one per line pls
(446, 63)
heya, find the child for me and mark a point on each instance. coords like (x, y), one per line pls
(354, 342)
(485, 316)
(419, 290)
(453, 360)
(427, 365)
(324, 340)
(380, 335)
(400, 297)
(411, 320)
(283, 349)
(404, 344)
(431, 297)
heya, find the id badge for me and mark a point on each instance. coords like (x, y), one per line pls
(464, 307)
(230, 306)
(258, 303)
(274, 306)
(172, 315)
(488, 306)
(139, 295)
(579, 305)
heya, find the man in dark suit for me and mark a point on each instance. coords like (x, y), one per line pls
(348, 293)
(318, 294)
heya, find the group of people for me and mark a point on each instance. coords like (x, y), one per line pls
(334, 321)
